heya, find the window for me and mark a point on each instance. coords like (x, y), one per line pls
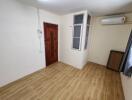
(87, 32)
(126, 65)
(77, 30)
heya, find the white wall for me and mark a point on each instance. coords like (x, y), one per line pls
(68, 55)
(127, 87)
(103, 38)
(19, 44)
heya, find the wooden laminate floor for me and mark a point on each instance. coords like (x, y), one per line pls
(63, 82)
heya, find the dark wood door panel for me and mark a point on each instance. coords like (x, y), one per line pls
(51, 43)
(115, 59)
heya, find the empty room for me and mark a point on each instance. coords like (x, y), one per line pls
(65, 49)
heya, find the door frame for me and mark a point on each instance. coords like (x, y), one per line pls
(56, 25)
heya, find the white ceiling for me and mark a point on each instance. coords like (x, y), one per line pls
(96, 7)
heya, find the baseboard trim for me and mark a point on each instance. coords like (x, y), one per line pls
(96, 63)
(70, 65)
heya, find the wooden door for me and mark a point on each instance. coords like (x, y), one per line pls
(115, 59)
(51, 43)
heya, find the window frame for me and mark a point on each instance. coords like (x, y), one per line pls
(81, 31)
(87, 32)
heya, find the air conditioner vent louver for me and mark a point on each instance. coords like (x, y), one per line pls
(113, 20)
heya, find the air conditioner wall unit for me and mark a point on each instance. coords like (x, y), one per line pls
(113, 20)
